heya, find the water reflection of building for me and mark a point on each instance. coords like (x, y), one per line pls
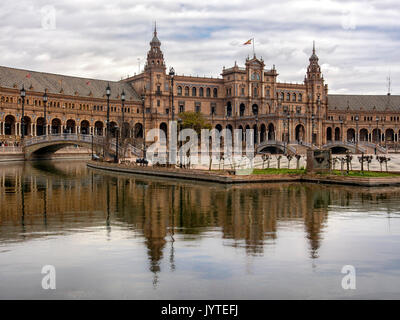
(64, 196)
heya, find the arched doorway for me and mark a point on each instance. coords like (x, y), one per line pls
(9, 125)
(125, 130)
(254, 109)
(300, 133)
(351, 135)
(56, 126)
(337, 134)
(70, 126)
(363, 135)
(229, 109)
(113, 126)
(138, 130)
(329, 134)
(98, 128)
(27, 126)
(218, 127)
(376, 135)
(40, 126)
(164, 127)
(389, 135)
(242, 109)
(263, 131)
(255, 134)
(271, 132)
(85, 127)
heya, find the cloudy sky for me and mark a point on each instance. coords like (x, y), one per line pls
(358, 42)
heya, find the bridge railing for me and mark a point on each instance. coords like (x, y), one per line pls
(10, 149)
(64, 137)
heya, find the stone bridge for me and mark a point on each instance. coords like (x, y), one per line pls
(47, 144)
(275, 147)
(339, 147)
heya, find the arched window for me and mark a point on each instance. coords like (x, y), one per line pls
(282, 96)
(186, 91)
(208, 91)
(288, 97)
(194, 92)
(201, 92)
(294, 97)
(179, 91)
(215, 93)
(300, 97)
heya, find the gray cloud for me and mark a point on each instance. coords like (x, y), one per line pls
(357, 41)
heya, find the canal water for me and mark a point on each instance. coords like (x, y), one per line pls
(132, 237)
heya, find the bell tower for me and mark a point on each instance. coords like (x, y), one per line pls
(317, 93)
(155, 57)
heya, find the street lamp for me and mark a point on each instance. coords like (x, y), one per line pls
(288, 128)
(357, 137)
(172, 75)
(144, 129)
(45, 98)
(108, 93)
(116, 160)
(123, 113)
(23, 95)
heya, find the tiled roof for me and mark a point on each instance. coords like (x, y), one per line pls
(67, 85)
(364, 102)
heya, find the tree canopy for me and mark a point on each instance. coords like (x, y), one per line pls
(194, 120)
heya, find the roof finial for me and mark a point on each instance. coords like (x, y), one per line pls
(155, 28)
(313, 49)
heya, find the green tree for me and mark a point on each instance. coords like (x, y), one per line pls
(194, 120)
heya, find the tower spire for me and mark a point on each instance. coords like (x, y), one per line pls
(155, 28)
(313, 48)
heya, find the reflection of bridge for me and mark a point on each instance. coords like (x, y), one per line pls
(46, 144)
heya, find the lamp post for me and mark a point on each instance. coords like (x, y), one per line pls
(144, 129)
(23, 95)
(108, 93)
(116, 159)
(357, 137)
(288, 128)
(123, 114)
(45, 98)
(284, 139)
(172, 75)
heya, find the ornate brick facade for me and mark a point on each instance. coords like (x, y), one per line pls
(248, 97)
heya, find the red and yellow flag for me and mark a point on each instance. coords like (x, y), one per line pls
(248, 42)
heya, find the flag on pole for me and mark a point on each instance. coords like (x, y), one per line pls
(247, 42)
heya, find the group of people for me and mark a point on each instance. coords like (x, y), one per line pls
(9, 144)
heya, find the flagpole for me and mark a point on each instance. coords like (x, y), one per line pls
(254, 52)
